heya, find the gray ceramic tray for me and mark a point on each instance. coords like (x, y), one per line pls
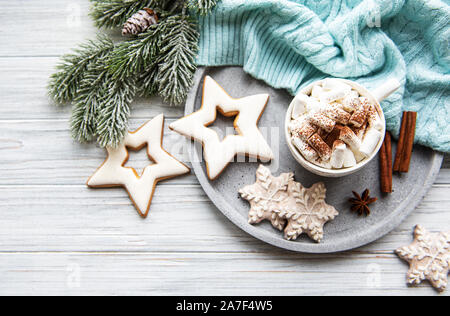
(347, 231)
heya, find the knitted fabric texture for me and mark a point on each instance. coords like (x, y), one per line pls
(291, 43)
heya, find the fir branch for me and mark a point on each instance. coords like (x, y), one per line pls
(203, 7)
(133, 57)
(114, 13)
(148, 84)
(179, 47)
(102, 79)
(114, 111)
(85, 108)
(64, 84)
(102, 108)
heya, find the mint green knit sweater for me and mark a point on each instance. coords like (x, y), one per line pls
(290, 43)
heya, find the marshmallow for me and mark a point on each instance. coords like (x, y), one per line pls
(333, 95)
(350, 138)
(322, 121)
(316, 106)
(323, 164)
(336, 113)
(302, 128)
(334, 90)
(370, 142)
(360, 114)
(296, 124)
(307, 151)
(375, 120)
(360, 132)
(338, 154)
(321, 147)
(349, 158)
(335, 84)
(353, 94)
(351, 101)
(365, 102)
(317, 91)
(358, 155)
(306, 131)
(300, 104)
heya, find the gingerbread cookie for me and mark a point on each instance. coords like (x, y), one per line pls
(112, 173)
(268, 194)
(429, 258)
(307, 212)
(288, 205)
(218, 154)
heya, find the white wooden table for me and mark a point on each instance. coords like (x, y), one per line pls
(59, 237)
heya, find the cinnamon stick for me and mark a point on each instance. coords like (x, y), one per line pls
(386, 164)
(409, 142)
(406, 142)
(401, 142)
(388, 141)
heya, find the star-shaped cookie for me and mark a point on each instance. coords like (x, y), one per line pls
(112, 173)
(249, 141)
(308, 212)
(268, 194)
(429, 258)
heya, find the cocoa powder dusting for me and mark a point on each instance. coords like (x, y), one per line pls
(320, 146)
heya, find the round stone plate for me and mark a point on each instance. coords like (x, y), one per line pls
(348, 230)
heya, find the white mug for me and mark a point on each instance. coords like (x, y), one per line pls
(374, 97)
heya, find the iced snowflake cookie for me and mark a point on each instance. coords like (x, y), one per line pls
(288, 205)
(218, 154)
(307, 212)
(112, 173)
(266, 196)
(429, 258)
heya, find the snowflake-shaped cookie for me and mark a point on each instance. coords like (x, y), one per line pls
(307, 212)
(429, 258)
(266, 196)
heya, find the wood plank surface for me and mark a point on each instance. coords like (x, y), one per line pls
(59, 237)
(203, 273)
(75, 218)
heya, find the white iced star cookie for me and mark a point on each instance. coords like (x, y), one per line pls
(218, 154)
(429, 258)
(112, 172)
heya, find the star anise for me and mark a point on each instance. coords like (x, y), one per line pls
(360, 204)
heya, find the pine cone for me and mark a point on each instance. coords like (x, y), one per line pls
(140, 22)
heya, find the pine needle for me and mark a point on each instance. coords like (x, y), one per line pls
(133, 57)
(114, 13)
(203, 7)
(64, 84)
(179, 47)
(114, 111)
(148, 84)
(86, 105)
